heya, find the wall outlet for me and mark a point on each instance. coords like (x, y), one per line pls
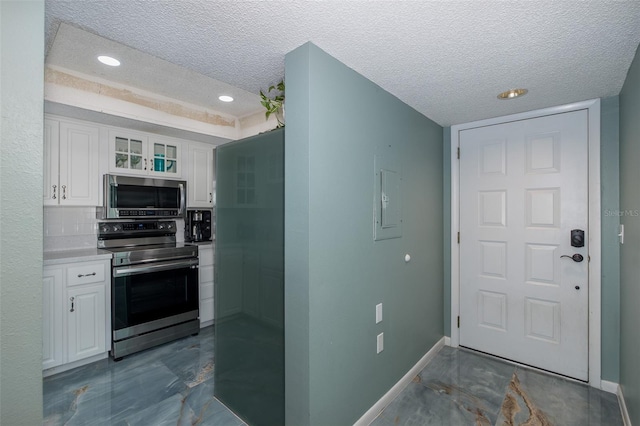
(378, 313)
(380, 343)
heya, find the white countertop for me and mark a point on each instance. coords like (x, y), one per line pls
(79, 255)
(202, 243)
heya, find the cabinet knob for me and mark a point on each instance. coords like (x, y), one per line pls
(64, 192)
(54, 191)
(145, 164)
(72, 300)
(211, 197)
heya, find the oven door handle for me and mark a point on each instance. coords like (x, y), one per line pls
(156, 267)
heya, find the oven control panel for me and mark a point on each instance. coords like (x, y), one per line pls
(115, 228)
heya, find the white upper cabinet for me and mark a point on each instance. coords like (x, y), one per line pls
(164, 157)
(128, 153)
(200, 181)
(71, 163)
(51, 185)
(134, 153)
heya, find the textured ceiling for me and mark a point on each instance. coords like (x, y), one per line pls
(447, 59)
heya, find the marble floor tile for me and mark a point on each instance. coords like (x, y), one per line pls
(174, 384)
(460, 387)
(537, 398)
(169, 384)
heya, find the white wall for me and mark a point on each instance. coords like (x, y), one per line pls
(21, 131)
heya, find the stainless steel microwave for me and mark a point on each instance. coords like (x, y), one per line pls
(128, 197)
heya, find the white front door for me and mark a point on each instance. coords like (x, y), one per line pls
(523, 189)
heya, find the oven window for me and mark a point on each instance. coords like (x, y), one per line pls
(141, 298)
(132, 196)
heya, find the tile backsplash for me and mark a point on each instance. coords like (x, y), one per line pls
(70, 228)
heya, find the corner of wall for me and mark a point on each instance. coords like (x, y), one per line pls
(21, 132)
(446, 228)
(630, 218)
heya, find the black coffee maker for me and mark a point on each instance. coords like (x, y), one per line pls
(198, 226)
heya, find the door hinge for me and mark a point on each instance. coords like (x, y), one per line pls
(458, 153)
(458, 321)
(458, 238)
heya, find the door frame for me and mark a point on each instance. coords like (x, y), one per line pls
(593, 112)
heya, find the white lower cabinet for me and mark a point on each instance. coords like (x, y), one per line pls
(86, 318)
(205, 255)
(76, 320)
(52, 317)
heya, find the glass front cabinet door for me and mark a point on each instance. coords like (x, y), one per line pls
(165, 157)
(141, 154)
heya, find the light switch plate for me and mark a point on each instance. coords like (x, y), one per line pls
(380, 343)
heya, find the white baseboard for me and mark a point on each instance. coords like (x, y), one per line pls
(610, 387)
(74, 364)
(386, 399)
(447, 341)
(206, 323)
(623, 408)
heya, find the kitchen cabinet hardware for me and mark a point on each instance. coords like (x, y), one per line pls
(211, 197)
(54, 191)
(72, 301)
(86, 275)
(145, 164)
(64, 192)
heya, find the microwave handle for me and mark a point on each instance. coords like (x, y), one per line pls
(183, 199)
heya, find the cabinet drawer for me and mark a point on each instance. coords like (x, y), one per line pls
(85, 274)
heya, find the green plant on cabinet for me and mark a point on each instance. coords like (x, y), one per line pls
(274, 102)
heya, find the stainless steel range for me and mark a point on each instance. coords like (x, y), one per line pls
(154, 284)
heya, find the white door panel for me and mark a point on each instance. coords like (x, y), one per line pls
(523, 188)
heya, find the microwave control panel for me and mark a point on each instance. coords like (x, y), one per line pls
(143, 213)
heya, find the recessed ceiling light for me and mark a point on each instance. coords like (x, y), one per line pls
(225, 98)
(108, 60)
(513, 93)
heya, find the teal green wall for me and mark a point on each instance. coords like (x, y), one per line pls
(446, 228)
(610, 222)
(21, 136)
(335, 273)
(296, 239)
(630, 250)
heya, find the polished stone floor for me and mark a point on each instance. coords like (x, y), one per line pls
(460, 387)
(173, 385)
(168, 385)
